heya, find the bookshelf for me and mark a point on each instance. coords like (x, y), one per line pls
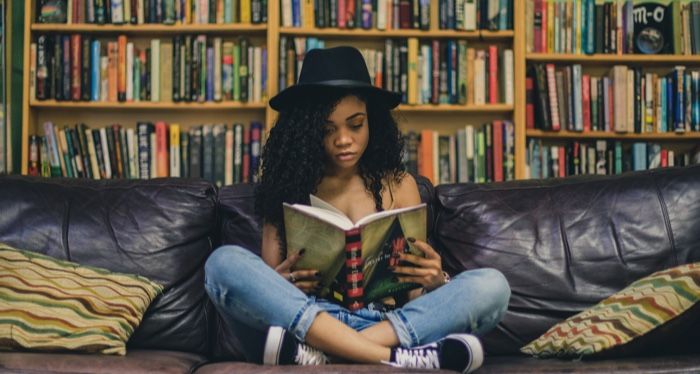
(444, 118)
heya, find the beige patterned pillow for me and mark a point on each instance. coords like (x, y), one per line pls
(52, 305)
(627, 317)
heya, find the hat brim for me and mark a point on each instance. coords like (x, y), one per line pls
(296, 93)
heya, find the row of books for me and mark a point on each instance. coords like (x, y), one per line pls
(628, 99)
(474, 154)
(425, 72)
(397, 14)
(616, 27)
(222, 154)
(187, 68)
(602, 157)
(167, 12)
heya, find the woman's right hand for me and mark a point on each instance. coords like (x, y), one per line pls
(305, 280)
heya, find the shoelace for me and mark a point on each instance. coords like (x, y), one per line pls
(307, 355)
(420, 358)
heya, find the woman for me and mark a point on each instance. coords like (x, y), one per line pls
(336, 138)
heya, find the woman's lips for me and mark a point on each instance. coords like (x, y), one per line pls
(345, 156)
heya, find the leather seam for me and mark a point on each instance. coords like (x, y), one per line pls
(667, 221)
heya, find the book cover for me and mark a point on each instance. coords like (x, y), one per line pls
(327, 234)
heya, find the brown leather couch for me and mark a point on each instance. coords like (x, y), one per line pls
(563, 244)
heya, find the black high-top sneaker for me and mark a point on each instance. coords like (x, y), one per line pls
(282, 348)
(458, 352)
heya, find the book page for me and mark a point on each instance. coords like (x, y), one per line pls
(324, 242)
(386, 213)
(330, 216)
(319, 203)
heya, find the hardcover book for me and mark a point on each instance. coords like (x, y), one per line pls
(353, 258)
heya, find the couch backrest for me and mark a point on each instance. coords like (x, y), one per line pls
(241, 226)
(565, 244)
(162, 229)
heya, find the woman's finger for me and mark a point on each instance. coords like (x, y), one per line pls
(425, 248)
(410, 270)
(290, 261)
(306, 274)
(416, 260)
(411, 279)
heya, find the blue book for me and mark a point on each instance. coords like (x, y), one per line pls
(663, 127)
(590, 26)
(503, 15)
(679, 102)
(296, 21)
(210, 74)
(95, 80)
(228, 11)
(695, 104)
(618, 157)
(263, 79)
(366, 14)
(535, 159)
(639, 156)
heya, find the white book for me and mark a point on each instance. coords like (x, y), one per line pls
(436, 155)
(217, 69)
(459, 14)
(174, 150)
(426, 54)
(155, 70)
(130, 72)
(133, 151)
(257, 74)
(117, 11)
(287, 20)
(554, 152)
(381, 14)
(140, 17)
(105, 153)
(480, 78)
(578, 97)
(92, 154)
(469, 133)
(154, 156)
(470, 14)
(32, 76)
(237, 146)
(671, 158)
(508, 71)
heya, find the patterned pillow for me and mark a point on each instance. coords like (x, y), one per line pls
(52, 305)
(650, 309)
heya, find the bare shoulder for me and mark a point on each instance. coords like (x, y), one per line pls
(406, 191)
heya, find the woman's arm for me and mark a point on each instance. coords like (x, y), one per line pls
(271, 253)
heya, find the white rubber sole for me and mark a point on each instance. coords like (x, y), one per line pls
(475, 349)
(273, 345)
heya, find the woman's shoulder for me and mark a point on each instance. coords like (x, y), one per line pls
(404, 191)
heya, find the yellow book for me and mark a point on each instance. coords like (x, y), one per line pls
(175, 150)
(309, 21)
(188, 11)
(550, 26)
(579, 25)
(471, 54)
(166, 70)
(374, 242)
(412, 70)
(245, 11)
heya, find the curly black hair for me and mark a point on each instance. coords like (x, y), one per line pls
(293, 158)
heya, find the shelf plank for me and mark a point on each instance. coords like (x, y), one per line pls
(150, 28)
(401, 33)
(603, 59)
(666, 136)
(489, 108)
(147, 105)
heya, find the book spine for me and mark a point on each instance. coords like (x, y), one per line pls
(354, 287)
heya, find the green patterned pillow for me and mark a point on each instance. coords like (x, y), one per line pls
(52, 305)
(621, 323)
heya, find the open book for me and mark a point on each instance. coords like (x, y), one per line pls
(353, 258)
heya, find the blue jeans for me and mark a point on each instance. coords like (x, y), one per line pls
(254, 296)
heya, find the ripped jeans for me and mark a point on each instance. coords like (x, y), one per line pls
(253, 297)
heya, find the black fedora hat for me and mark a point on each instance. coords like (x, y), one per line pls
(333, 68)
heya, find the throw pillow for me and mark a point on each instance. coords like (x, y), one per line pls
(648, 312)
(53, 305)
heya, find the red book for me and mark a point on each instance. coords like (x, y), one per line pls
(162, 155)
(498, 151)
(435, 97)
(493, 74)
(543, 34)
(562, 162)
(341, 14)
(425, 156)
(586, 101)
(529, 103)
(112, 68)
(246, 155)
(664, 158)
(76, 61)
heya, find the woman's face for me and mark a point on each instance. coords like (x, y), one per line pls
(346, 134)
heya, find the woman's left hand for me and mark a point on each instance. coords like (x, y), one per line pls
(427, 270)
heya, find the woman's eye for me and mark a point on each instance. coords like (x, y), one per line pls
(357, 126)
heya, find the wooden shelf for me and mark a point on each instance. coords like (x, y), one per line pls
(401, 33)
(151, 28)
(605, 59)
(490, 108)
(668, 136)
(225, 105)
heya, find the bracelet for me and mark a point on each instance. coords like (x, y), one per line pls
(447, 277)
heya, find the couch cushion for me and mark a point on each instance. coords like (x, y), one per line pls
(645, 364)
(635, 321)
(135, 361)
(244, 368)
(566, 244)
(53, 305)
(241, 226)
(161, 229)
